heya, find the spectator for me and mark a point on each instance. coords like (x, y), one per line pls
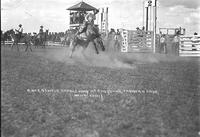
(195, 40)
(74, 18)
(175, 45)
(118, 33)
(71, 18)
(82, 17)
(143, 28)
(139, 32)
(112, 31)
(163, 44)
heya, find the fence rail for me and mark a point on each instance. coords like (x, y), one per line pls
(138, 41)
(48, 43)
(189, 46)
(10, 43)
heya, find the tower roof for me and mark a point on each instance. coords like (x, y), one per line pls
(82, 6)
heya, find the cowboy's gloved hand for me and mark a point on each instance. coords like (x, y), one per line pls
(96, 11)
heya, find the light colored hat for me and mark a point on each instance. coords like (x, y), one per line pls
(90, 15)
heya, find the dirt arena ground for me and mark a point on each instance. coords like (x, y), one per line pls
(163, 102)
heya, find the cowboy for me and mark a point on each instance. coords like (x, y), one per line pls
(19, 31)
(90, 18)
(41, 30)
(175, 45)
(40, 34)
(71, 18)
(74, 18)
(143, 28)
(88, 23)
(163, 44)
(139, 31)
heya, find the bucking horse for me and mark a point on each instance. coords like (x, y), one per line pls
(83, 39)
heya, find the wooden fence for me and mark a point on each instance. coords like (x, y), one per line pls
(10, 43)
(134, 41)
(189, 46)
(51, 43)
(48, 43)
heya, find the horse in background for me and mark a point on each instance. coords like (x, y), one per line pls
(65, 40)
(25, 38)
(5, 37)
(41, 39)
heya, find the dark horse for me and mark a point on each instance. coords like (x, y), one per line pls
(5, 37)
(24, 38)
(91, 35)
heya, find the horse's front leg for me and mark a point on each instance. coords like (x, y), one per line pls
(101, 44)
(72, 46)
(27, 46)
(95, 46)
(12, 45)
(44, 42)
(30, 44)
(17, 47)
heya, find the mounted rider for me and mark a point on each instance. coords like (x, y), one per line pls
(19, 32)
(40, 34)
(41, 31)
(88, 25)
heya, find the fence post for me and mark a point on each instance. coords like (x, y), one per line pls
(154, 24)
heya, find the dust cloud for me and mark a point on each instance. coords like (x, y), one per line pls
(110, 59)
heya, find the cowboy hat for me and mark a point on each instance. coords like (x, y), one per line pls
(90, 15)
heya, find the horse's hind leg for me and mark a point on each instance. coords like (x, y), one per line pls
(73, 46)
(73, 49)
(30, 48)
(12, 46)
(44, 45)
(17, 47)
(101, 44)
(26, 47)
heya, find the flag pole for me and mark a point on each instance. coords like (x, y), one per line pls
(154, 24)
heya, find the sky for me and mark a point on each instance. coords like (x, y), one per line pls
(127, 14)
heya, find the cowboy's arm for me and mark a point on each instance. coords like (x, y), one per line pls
(96, 11)
(17, 30)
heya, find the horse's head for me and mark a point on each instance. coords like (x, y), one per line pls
(10, 32)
